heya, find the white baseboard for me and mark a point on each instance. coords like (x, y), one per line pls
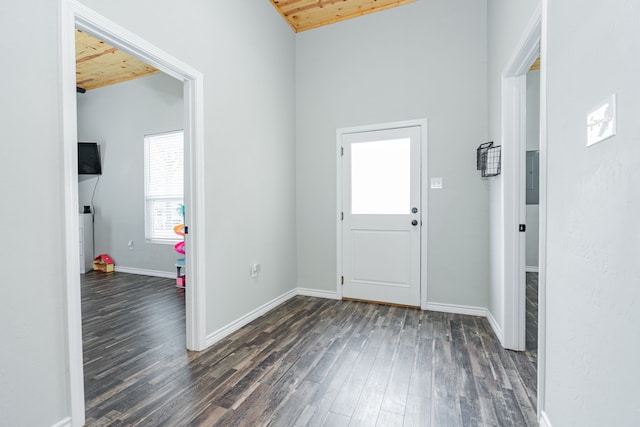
(143, 272)
(544, 420)
(64, 423)
(317, 293)
(471, 311)
(532, 269)
(457, 309)
(496, 328)
(247, 318)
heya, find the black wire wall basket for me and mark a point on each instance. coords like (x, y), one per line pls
(488, 159)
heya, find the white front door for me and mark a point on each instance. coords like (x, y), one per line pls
(382, 213)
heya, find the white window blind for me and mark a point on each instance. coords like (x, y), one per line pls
(163, 185)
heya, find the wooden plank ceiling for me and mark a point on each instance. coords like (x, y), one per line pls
(307, 14)
(536, 65)
(99, 64)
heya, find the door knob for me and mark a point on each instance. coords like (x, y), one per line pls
(414, 222)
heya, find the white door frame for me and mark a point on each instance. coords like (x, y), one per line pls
(542, 251)
(514, 193)
(514, 120)
(422, 123)
(73, 14)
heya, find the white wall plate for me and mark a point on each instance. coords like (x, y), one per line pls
(436, 182)
(601, 121)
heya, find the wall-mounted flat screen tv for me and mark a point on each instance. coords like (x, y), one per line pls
(89, 159)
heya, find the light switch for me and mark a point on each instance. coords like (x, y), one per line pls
(436, 182)
(255, 269)
(601, 121)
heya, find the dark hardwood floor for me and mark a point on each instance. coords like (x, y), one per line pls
(532, 315)
(309, 361)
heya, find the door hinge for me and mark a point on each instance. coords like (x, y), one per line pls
(342, 280)
(342, 151)
(341, 216)
(523, 228)
(186, 230)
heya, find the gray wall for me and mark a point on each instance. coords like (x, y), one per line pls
(33, 371)
(506, 25)
(33, 354)
(593, 235)
(423, 60)
(118, 117)
(533, 110)
(246, 52)
(533, 236)
(533, 144)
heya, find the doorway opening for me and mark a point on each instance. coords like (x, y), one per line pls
(514, 121)
(514, 133)
(532, 207)
(75, 15)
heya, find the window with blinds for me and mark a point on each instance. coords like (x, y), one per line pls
(163, 185)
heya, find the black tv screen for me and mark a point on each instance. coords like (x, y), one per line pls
(89, 159)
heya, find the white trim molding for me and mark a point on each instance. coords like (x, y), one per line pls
(542, 276)
(513, 119)
(457, 309)
(496, 327)
(307, 292)
(544, 420)
(531, 269)
(144, 272)
(248, 318)
(69, 136)
(470, 311)
(64, 423)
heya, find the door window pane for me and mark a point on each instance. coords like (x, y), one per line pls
(380, 177)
